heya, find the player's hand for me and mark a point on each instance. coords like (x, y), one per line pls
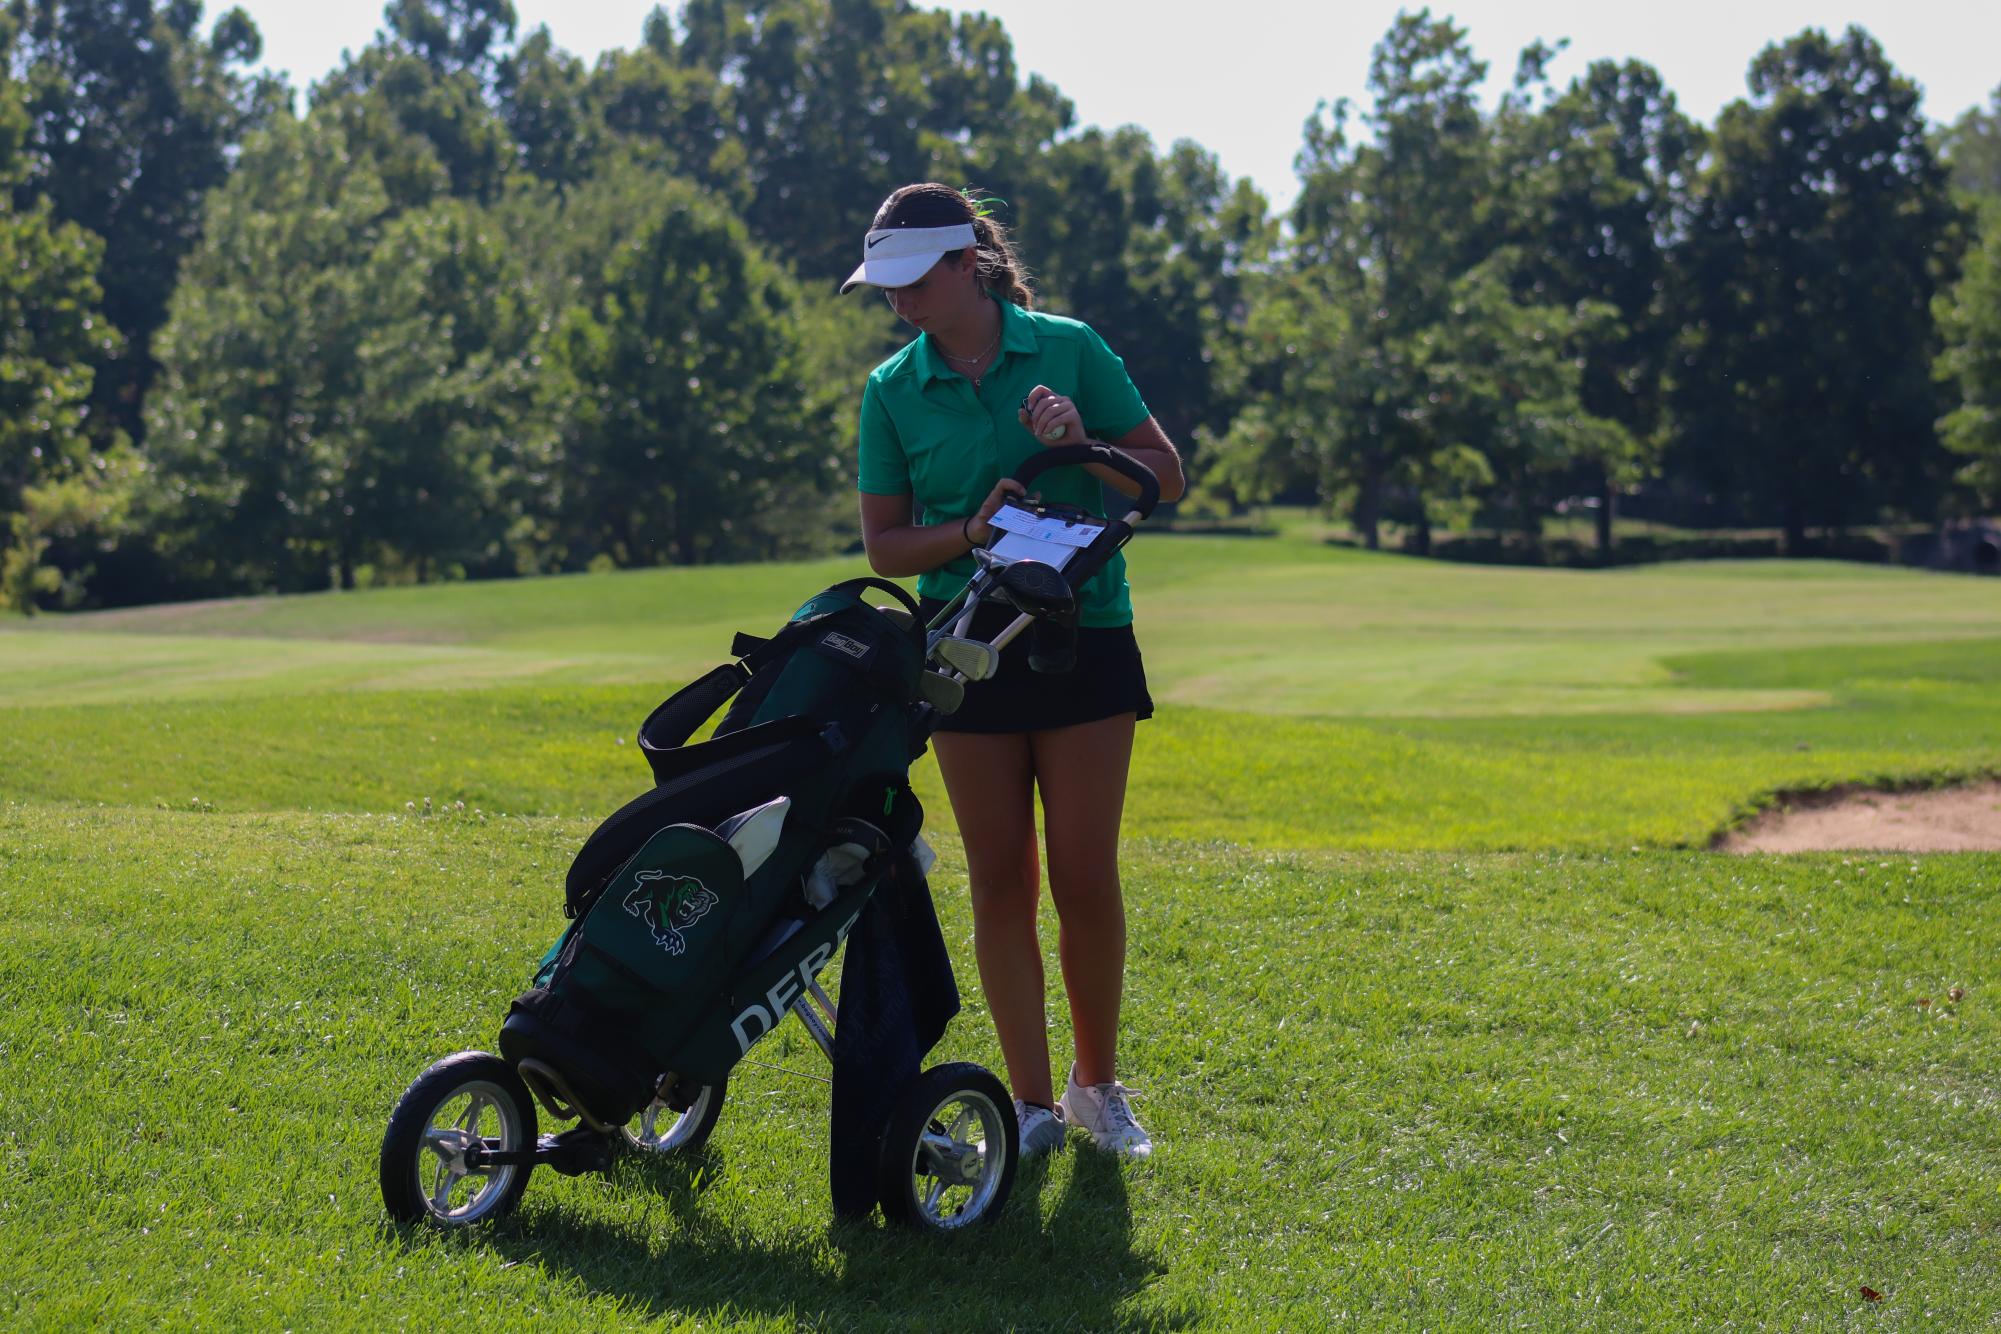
(980, 529)
(1052, 418)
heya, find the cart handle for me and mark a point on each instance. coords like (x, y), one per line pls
(1059, 456)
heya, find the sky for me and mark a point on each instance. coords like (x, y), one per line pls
(1241, 78)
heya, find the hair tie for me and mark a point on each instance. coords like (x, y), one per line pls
(982, 207)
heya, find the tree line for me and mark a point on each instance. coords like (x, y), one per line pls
(469, 307)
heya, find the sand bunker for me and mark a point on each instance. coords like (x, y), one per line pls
(1954, 819)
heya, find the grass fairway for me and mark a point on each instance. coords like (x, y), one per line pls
(1438, 1013)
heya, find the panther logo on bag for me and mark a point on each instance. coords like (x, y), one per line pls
(669, 904)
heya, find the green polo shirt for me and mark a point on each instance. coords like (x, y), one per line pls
(928, 434)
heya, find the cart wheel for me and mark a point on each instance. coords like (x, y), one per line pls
(948, 1156)
(662, 1128)
(430, 1167)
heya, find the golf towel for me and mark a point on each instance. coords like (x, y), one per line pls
(897, 995)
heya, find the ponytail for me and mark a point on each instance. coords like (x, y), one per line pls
(1000, 269)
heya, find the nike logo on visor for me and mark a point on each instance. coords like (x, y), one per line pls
(873, 244)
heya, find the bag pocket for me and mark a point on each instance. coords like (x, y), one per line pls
(655, 937)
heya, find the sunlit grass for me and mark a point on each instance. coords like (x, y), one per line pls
(1435, 1024)
(1428, 1089)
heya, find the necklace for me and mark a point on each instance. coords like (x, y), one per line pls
(975, 359)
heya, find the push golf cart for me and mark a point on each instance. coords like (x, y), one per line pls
(703, 911)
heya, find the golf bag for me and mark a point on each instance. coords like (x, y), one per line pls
(702, 907)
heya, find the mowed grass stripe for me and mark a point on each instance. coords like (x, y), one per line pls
(93, 668)
(1497, 783)
(1548, 1091)
(651, 606)
(1279, 625)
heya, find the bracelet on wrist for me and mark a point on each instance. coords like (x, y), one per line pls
(966, 530)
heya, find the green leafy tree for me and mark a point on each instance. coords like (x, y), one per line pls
(52, 333)
(59, 524)
(46, 328)
(1394, 224)
(453, 36)
(133, 116)
(1492, 392)
(1594, 188)
(252, 421)
(1509, 386)
(545, 98)
(1295, 367)
(445, 425)
(1969, 317)
(673, 114)
(341, 376)
(691, 430)
(409, 166)
(1820, 234)
(1971, 147)
(834, 102)
(1151, 250)
(425, 89)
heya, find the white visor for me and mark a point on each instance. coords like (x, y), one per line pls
(896, 256)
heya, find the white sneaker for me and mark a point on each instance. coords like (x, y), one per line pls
(1041, 1129)
(1103, 1110)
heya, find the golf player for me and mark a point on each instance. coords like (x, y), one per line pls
(987, 382)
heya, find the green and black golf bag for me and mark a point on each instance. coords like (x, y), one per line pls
(702, 908)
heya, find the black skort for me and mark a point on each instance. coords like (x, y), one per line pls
(1107, 680)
